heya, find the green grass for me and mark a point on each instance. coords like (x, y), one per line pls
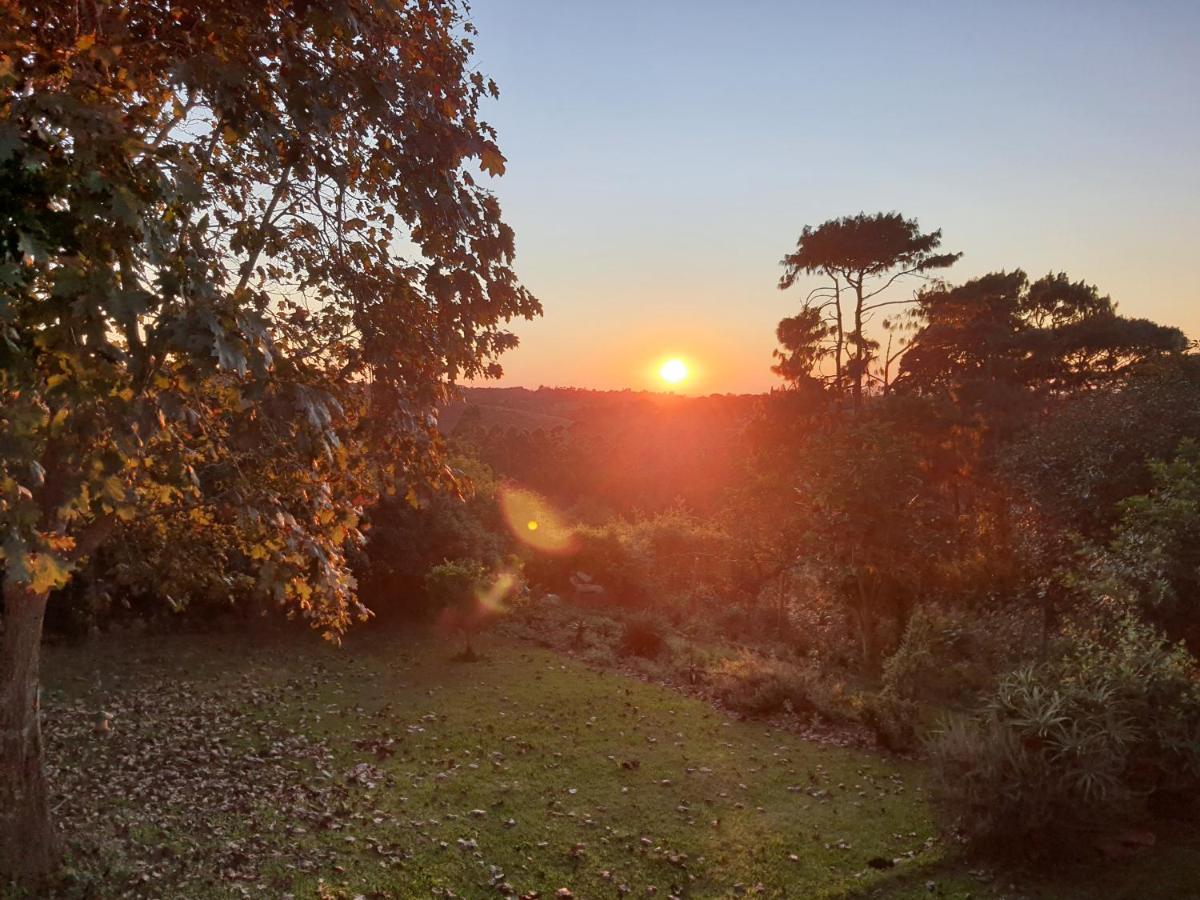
(527, 769)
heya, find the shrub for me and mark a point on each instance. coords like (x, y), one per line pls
(1092, 737)
(664, 558)
(949, 655)
(407, 540)
(1095, 450)
(455, 583)
(892, 719)
(757, 686)
(604, 554)
(599, 655)
(1155, 551)
(642, 637)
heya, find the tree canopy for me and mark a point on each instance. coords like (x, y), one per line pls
(1002, 331)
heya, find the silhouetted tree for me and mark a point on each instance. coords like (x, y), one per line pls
(862, 256)
(999, 334)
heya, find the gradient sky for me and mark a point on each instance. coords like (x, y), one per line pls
(663, 156)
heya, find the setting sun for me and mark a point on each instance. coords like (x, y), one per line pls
(673, 371)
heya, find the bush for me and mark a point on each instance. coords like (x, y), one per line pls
(1095, 450)
(604, 554)
(407, 540)
(455, 583)
(892, 719)
(1096, 736)
(1155, 551)
(757, 686)
(643, 637)
(599, 655)
(950, 655)
(668, 557)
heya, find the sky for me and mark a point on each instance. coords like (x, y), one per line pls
(663, 156)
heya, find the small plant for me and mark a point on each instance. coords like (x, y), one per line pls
(599, 655)
(454, 588)
(579, 641)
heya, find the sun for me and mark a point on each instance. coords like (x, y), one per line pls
(673, 371)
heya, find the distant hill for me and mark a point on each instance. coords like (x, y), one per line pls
(526, 409)
(619, 450)
(489, 415)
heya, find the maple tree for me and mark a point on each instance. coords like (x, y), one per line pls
(243, 257)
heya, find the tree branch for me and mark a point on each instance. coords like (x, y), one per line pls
(171, 123)
(95, 534)
(887, 284)
(261, 240)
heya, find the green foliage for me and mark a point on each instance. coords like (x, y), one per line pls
(1095, 447)
(456, 584)
(875, 525)
(409, 536)
(243, 260)
(894, 720)
(1155, 553)
(1084, 741)
(259, 525)
(662, 560)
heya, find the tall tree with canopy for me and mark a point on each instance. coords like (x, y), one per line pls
(862, 256)
(228, 225)
(1001, 334)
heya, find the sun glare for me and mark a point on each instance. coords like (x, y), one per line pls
(673, 371)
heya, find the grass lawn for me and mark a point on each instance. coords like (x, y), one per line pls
(278, 766)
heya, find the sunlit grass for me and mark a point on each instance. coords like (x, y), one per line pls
(531, 770)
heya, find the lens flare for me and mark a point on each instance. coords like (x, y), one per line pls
(488, 603)
(534, 522)
(491, 599)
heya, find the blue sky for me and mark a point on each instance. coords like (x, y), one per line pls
(663, 156)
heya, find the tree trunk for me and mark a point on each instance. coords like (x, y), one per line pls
(859, 364)
(840, 346)
(865, 613)
(867, 640)
(28, 844)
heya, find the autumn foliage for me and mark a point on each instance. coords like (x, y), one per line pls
(244, 253)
